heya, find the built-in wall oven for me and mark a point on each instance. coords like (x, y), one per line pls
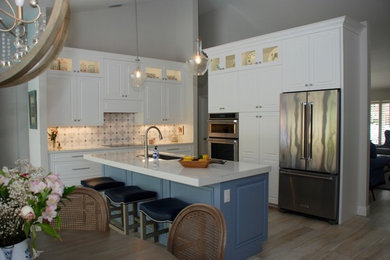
(223, 136)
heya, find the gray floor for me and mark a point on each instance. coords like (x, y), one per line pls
(298, 237)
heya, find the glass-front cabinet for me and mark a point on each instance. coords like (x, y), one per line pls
(73, 62)
(260, 54)
(225, 61)
(156, 72)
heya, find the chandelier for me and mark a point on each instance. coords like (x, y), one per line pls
(28, 45)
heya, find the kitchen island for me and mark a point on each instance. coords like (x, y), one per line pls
(239, 190)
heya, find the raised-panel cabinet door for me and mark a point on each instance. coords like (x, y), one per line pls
(270, 86)
(113, 79)
(223, 92)
(59, 100)
(325, 56)
(173, 105)
(248, 90)
(154, 98)
(249, 136)
(296, 64)
(269, 150)
(89, 98)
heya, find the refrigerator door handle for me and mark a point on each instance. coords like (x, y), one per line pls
(310, 133)
(303, 131)
(329, 178)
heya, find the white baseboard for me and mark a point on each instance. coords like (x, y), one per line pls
(363, 211)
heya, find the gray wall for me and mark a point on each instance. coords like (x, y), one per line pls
(14, 125)
(380, 94)
(165, 29)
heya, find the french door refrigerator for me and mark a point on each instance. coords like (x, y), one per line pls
(309, 153)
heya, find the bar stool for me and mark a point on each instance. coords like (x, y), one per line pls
(119, 198)
(159, 211)
(101, 183)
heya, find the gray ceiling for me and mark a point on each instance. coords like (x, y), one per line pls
(274, 15)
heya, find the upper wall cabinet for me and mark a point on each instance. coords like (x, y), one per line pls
(223, 89)
(223, 62)
(119, 94)
(259, 89)
(312, 61)
(74, 100)
(157, 72)
(260, 54)
(75, 62)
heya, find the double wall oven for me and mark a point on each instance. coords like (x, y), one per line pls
(223, 136)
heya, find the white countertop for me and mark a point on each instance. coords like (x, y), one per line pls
(173, 171)
(92, 148)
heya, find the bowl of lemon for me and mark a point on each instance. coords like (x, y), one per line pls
(202, 161)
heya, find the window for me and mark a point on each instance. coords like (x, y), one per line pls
(379, 121)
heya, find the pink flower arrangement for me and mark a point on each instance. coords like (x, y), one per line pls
(29, 200)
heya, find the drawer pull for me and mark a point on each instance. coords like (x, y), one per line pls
(80, 169)
(173, 149)
(77, 156)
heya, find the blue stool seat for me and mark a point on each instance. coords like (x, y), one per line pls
(163, 209)
(159, 211)
(118, 200)
(101, 183)
(128, 194)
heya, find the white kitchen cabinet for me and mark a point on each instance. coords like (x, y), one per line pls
(312, 62)
(259, 55)
(119, 94)
(158, 72)
(259, 143)
(163, 103)
(78, 61)
(74, 100)
(72, 168)
(223, 92)
(223, 62)
(259, 89)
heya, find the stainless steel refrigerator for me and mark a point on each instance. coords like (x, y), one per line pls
(309, 153)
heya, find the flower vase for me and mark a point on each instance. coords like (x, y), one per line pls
(16, 252)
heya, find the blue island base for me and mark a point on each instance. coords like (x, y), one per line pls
(243, 202)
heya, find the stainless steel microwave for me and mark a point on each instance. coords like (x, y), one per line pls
(223, 125)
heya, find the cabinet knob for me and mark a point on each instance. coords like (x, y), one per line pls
(310, 84)
(306, 85)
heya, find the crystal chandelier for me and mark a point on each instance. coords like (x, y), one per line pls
(138, 76)
(13, 27)
(28, 45)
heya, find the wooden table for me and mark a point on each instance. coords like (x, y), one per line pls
(96, 245)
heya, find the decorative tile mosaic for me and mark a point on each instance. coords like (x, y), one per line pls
(118, 129)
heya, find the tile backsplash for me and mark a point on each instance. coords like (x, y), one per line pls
(118, 128)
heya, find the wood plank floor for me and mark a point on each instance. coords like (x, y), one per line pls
(293, 236)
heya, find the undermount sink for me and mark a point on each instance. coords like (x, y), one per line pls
(163, 157)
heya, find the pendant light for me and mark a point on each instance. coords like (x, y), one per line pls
(138, 76)
(199, 61)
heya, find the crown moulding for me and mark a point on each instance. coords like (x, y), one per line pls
(47, 49)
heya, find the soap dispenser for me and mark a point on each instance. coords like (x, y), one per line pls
(156, 154)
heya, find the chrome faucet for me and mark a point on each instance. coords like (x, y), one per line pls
(146, 140)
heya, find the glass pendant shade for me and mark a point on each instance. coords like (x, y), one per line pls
(137, 77)
(199, 61)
